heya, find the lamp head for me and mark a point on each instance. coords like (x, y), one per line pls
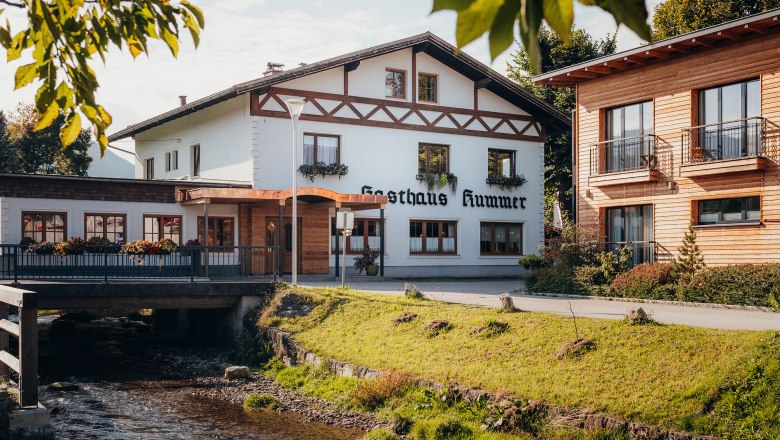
(295, 106)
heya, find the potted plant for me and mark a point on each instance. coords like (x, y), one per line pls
(367, 262)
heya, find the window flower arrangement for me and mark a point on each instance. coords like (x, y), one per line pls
(42, 248)
(505, 182)
(140, 247)
(311, 171)
(439, 180)
(167, 246)
(26, 242)
(102, 245)
(74, 246)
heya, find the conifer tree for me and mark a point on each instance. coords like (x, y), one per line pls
(690, 260)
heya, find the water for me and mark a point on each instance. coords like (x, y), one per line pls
(132, 387)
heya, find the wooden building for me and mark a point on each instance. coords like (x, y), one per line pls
(682, 130)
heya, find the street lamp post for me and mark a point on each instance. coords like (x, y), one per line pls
(295, 107)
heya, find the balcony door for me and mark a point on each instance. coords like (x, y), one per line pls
(632, 226)
(726, 130)
(627, 148)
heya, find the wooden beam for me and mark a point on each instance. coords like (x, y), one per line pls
(616, 64)
(701, 41)
(729, 35)
(583, 74)
(599, 69)
(677, 48)
(657, 54)
(417, 48)
(482, 83)
(755, 27)
(349, 67)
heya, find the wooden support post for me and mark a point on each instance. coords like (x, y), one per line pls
(4, 371)
(382, 241)
(336, 253)
(206, 239)
(28, 356)
(281, 239)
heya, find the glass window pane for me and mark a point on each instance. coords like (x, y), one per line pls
(632, 122)
(732, 209)
(415, 237)
(422, 159)
(485, 238)
(731, 102)
(308, 149)
(710, 107)
(647, 117)
(394, 84)
(753, 99)
(327, 149)
(615, 231)
(515, 238)
(753, 208)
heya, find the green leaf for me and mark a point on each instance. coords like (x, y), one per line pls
(48, 117)
(25, 75)
(530, 20)
(502, 34)
(559, 14)
(171, 41)
(453, 5)
(476, 20)
(195, 11)
(632, 13)
(70, 131)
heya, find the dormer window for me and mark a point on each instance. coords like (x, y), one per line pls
(427, 87)
(395, 83)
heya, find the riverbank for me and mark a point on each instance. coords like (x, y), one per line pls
(119, 378)
(702, 381)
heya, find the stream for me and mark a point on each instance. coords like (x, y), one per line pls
(124, 380)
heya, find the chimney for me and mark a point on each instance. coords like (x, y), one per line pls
(273, 68)
(183, 100)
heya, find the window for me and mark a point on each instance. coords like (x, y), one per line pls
(501, 163)
(500, 238)
(724, 131)
(149, 169)
(627, 147)
(631, 226)
(395, 83)
(108, 226)
(44, 226)
(196, 160)
(433, 159)
(220, 231)
(432, 237)
(172, 160)
(321, 148)
(366, 234)
(737, 210)
(426, 87)
(157, 227)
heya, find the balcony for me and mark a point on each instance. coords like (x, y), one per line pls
(624, 161)
(728, 147)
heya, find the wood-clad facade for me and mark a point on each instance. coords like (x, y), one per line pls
(675, 173)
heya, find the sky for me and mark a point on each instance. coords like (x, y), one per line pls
(241, 36)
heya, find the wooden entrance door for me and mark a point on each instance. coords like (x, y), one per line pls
(272, 239)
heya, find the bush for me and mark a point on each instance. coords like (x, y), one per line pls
(517, 416)
(533, 262)
(43, 248)
(644, 280)
(745, 284)
(553, 280)
(371, 394)
(74, 246)
(260, 401)
(590, 280)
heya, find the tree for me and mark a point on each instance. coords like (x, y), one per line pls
(497, 18)
(676, 17)
(557, 54)
(690, 259)
(40, 151)
(62, 37)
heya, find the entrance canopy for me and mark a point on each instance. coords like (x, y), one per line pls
(307, 194)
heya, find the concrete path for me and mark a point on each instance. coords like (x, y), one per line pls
(485, 293)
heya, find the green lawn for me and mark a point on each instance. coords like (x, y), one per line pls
(661, 375)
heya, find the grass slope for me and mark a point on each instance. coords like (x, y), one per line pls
(673, 376)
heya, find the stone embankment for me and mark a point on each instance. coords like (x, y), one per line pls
(292, 353)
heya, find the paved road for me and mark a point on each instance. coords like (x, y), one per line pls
(485, 293)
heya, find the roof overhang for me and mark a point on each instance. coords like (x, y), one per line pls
(308, 195)
(428, 43)
(754, 26)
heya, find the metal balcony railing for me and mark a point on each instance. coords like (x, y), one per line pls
(107, 262)
(724, 141)
(626, 154)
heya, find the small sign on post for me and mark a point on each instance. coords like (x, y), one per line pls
(345, 221)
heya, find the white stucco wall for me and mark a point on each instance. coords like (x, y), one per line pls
(11, 209)
(223, 133)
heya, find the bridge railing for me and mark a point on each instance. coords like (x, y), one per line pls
(25, 363)
(109, 262)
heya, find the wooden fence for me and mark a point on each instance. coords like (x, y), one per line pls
(26, 332)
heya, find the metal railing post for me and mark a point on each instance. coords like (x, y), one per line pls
(16, 265)
(192, 265)
(105, 265)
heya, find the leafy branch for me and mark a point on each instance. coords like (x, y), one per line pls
(311, 171)
(505, 182)
(497, 18)
(64, 35)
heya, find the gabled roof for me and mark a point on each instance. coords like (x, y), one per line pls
(427, 42)
(724, 34)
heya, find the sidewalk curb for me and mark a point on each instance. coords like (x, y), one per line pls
(650, 301)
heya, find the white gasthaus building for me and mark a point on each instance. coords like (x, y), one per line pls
(443, 150)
